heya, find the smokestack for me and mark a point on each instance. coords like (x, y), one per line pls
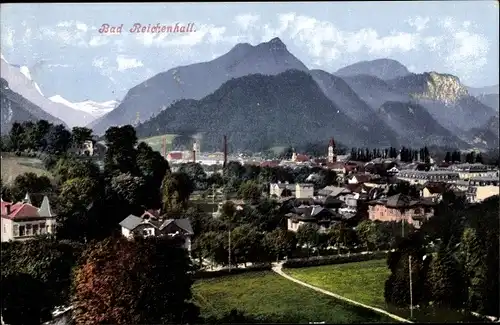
(225, 151)
(165, 147)
(194, 156)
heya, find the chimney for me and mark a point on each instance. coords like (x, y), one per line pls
(194, 156)
(225, 151)
(7, 207)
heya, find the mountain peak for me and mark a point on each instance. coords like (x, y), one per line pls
(385, 69)
(276, 44)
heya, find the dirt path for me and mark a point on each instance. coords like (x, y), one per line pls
(277, 267)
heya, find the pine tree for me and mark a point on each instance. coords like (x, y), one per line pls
(446, 280)
(447, 157)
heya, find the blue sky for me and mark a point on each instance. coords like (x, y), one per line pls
(68, 56)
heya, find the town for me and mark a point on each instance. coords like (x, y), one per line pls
(231, 212)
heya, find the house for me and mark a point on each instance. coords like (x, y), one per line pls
(300, 191)
(435, 190)
(304, 191)
(23, 221)
(324, 218)
(359, 178)
(175, 155)
(401, 207)
(481, 188)
(345, 195)
(151, 223)
(281, 189)
(86, 148)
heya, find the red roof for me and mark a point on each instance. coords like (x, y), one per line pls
(270, 163)
(302, 158)
(19, 210)
(335, 165)
(175, 155)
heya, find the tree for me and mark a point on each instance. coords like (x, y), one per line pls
(448, 156)
(196, 174)
(176, 189)
(29, 183)
(49, 264)
(280, 243)
(121, 153)
(368, 233)
(70, 167)
(250, 190)
(79, 135)
(16, 136)
(153, 168)
(307, 234)
(246, 245)
(446, 281)
(24, 300)
(145, 281)
(42, 129)
(129, 189)
(58, 140)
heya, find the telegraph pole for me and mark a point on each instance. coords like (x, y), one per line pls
(411, 287)
(229, 249)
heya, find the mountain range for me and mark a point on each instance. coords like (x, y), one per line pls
(263, 95)
(20, 82)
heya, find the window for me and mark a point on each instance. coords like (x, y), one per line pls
(148, 232)
(21, 231)
(35, 230)
(4, 229)
(42, 228)
(29, 230)
(16, 230)
(417, 211)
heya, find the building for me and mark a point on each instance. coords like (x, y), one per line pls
(23, 221)
(324, 218)
(422, 177)
(84, 149)
(401, 207)
(332, 154)
(434, 190)
(304, 191)
(468, 171)
(359, 179)
(481, 188)
(151, 223)
(281, 190)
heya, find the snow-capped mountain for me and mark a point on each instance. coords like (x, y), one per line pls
(95, 109)
(20, 81)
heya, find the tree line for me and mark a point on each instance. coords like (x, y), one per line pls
(454, 260)
(42, 136)
(406, 154)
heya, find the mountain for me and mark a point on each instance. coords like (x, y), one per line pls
(198, 80)
(95, 109)
(20, 81)
(344, 97)
(16, 108)
(415, 126)
(486, 95)
(259, 111)
(375, 91)
(487, 136)
(384, 69)
(484, 90)
(446, 99)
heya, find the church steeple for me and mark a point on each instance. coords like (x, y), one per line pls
(332, 155)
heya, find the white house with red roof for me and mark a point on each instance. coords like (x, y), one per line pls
(22, 220)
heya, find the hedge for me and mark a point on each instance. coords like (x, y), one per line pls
(225, 271)
(331, 260)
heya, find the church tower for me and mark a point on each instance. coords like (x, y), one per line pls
(294, 155)
(332, 155)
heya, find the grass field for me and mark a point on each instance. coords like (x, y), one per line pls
(361, 281)
(364, 282)
(12, 166)
(268, 296)
(156, 142)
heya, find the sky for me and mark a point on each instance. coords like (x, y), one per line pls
(68, 56)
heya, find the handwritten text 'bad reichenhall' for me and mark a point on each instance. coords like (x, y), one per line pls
(139, 28)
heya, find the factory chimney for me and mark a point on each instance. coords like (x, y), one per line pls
(225, 152)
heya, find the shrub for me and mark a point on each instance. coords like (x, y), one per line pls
(225, 271)
(331, 260)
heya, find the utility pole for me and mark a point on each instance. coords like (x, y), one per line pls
(229, 249)
(411, 287)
